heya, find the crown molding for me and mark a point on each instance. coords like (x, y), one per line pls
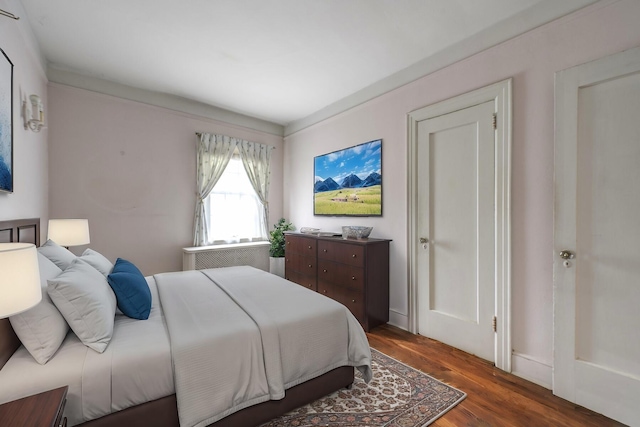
(159, 99)
(527, 20)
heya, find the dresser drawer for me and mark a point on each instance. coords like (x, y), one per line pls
(341, 274)
(300, 263)
(308, 281)
(341, 252)
(327, 289)
(302, 245)
(353, 300)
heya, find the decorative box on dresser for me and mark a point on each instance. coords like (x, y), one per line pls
(352, 272)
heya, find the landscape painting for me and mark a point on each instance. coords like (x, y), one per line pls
(348, 182)
(6, 123)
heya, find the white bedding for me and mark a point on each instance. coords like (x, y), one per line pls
(291, 335)
(263, 333)
(135, 368)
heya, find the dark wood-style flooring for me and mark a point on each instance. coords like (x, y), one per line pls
(494, 397)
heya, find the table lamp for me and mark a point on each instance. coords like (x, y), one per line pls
(69, 232)
(19, 278)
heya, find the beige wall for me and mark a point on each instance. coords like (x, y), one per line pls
(531, 60)
(130, 169)
(30, 150)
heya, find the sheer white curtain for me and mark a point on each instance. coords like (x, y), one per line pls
(214, 153)
(256, 159)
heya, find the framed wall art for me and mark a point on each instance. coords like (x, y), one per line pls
(6, 123)
(348, 182)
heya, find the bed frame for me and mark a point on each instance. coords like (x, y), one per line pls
(164, 412)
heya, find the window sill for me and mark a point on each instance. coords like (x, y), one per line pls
(225, 246)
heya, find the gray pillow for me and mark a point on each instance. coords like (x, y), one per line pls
(42, 328)
(97, 261)
(85, 299)
(60, 256)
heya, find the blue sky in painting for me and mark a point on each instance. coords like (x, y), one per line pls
(361, 160)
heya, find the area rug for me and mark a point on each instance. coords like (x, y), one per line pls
(398, 396)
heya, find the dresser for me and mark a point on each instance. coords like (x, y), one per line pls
(352, 272)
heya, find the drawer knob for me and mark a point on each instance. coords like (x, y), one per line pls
(309, 246)
(324, 291)
(310, 266)
(288, 242)
(353, 256)
(324, 250)
(353, 300)
(287, 260)
(353, 277)
(324, 271)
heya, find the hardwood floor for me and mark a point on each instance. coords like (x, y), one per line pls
(494, 397)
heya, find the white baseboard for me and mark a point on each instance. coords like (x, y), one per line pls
(531, 369)
(524, 366)
(399, 320)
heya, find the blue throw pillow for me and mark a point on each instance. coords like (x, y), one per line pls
(131, 289)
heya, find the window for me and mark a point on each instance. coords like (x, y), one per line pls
(234, 212)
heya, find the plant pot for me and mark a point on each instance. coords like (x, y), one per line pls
(276, 266)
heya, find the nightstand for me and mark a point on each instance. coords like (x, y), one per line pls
(40, 410)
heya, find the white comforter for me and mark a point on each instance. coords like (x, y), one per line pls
(240, 336)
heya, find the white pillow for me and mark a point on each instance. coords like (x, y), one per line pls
(85, 299)
(42, 328)
(60, 256)
(97, 261)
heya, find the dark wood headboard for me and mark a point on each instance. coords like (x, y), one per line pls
(26, 231)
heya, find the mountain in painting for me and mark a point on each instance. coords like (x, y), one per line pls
(373, 179)
(327, 185)
(352, 181)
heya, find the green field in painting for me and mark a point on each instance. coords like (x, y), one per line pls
(359, 201)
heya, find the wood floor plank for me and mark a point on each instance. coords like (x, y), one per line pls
(494, 398)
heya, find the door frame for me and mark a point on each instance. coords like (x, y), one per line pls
(567, 85)
(500, 94)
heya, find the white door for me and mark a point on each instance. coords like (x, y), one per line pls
(597, 229)
(456, 260)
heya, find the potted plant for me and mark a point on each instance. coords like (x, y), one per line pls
(276, 251)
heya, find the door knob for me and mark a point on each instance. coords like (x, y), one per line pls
(424, 243)
(565, 254)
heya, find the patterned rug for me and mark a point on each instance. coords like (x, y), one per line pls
(398, 396)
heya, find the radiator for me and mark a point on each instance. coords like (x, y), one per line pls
(255, 254)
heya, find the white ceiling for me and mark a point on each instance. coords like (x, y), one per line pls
(277, 60)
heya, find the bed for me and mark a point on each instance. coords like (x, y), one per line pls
(153, 367)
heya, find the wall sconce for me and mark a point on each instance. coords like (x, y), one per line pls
(33, 113)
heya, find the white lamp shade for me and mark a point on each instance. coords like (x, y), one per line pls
(19, 278)
(69, 232)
